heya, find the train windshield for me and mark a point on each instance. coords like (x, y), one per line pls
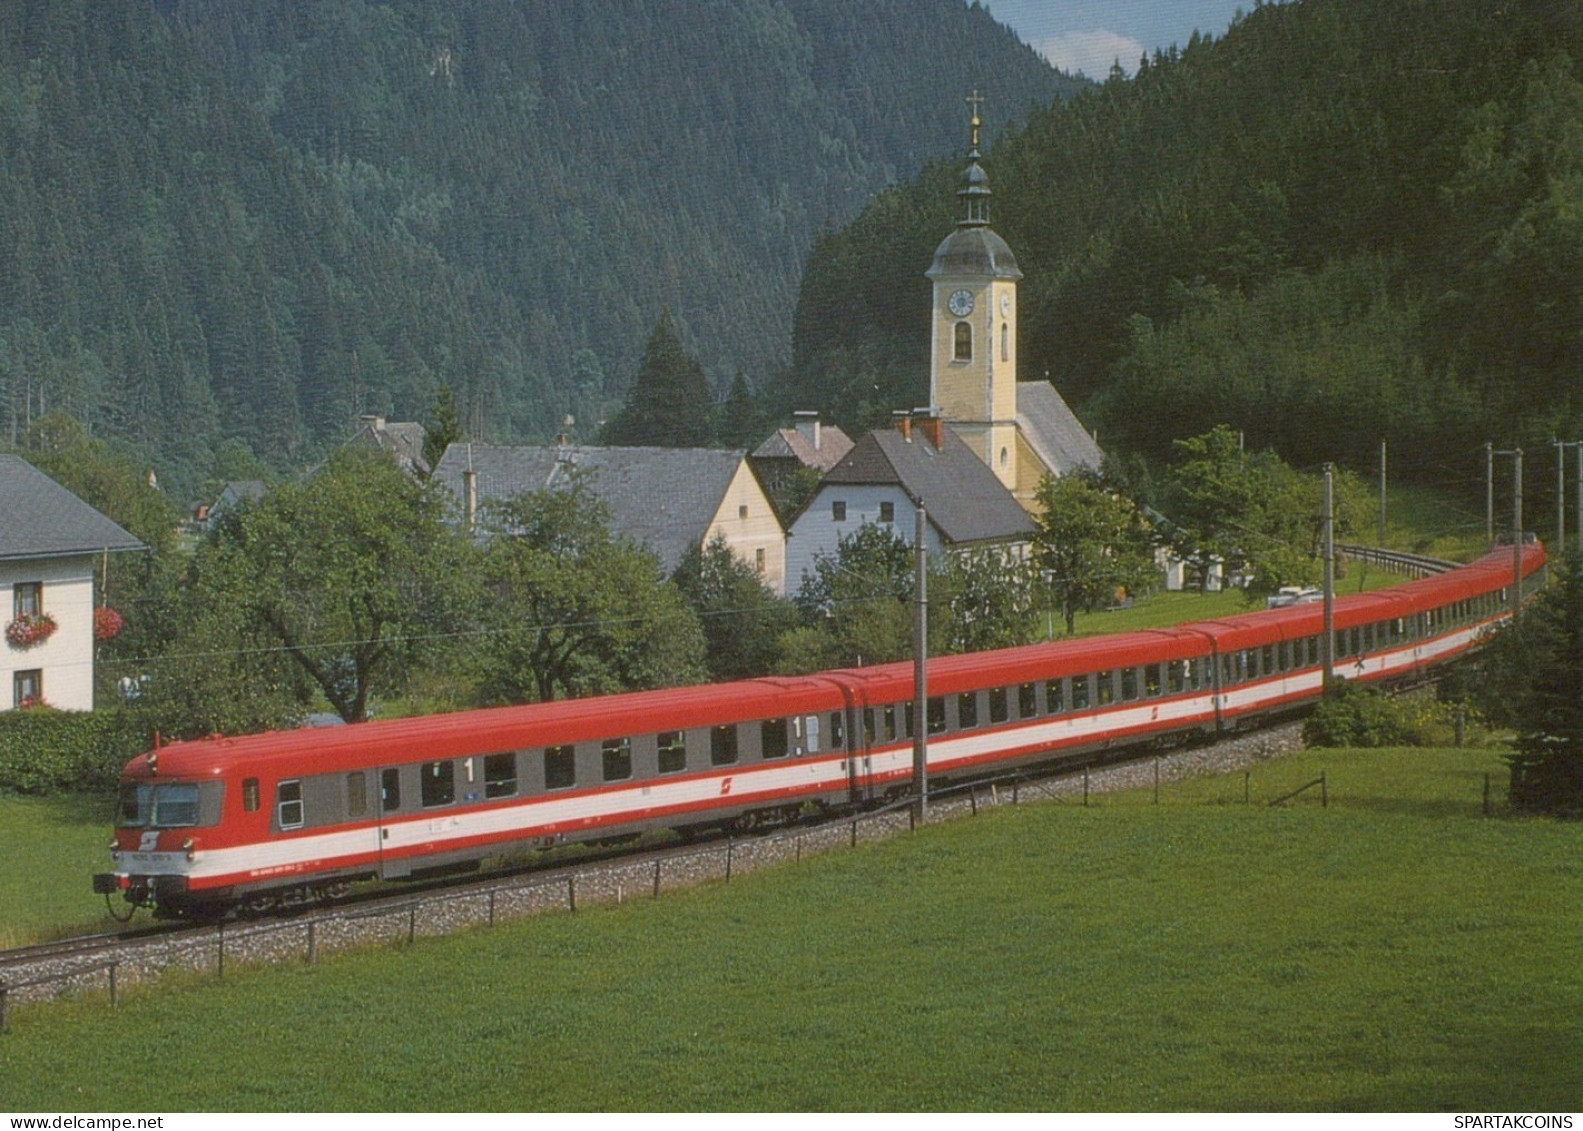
(169, 805)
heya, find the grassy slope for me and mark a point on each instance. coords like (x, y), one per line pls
(1394, 951)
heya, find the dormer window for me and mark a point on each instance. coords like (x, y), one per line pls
(963, 350)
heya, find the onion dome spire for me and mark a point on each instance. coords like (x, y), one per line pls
(974, 192)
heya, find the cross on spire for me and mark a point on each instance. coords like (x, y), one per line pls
(975, 100)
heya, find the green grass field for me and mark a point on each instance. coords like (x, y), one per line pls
(51, 846)
(1394, 951)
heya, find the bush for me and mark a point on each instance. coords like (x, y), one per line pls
(47, 751)
(1357, 716)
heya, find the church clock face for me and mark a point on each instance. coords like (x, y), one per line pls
(960, 303)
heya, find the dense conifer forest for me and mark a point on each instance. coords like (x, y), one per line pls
(1341, 222)
(230, 227)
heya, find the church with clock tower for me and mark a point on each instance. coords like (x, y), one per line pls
(1022, 431)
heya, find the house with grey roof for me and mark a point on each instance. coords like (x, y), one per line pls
(669, 500)
(50, 541)
(809, 445)
(402, 441)
(887, 476)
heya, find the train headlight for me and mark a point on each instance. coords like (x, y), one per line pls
(190, 847)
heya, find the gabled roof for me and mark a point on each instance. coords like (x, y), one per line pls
(661, 498)
(44, 520)
(965, 501)
(402, 441)
(791, 443)
(1053, 431)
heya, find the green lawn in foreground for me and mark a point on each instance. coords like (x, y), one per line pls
(49, 849)
(1394, 951)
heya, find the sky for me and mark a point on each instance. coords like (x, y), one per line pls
(1090, 35)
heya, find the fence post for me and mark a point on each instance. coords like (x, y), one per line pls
(854, 832)
(412, 922)
(912, 821)
(1156, 779)
(729, 844)
(492, 906)
(972, 800)
(4, 1025)
(656, 879)
(1085, 787)
(571, 892)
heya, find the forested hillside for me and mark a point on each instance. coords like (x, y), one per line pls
(250, 221)
(1343, 221)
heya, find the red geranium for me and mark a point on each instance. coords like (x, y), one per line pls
(30, 629)
(106, 623)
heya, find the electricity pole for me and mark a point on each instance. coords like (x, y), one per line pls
(1327, 646)
(920, 682)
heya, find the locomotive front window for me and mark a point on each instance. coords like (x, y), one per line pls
(172, 805)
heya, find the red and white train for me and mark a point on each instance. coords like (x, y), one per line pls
(206, 825)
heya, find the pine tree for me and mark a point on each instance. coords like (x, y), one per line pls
(668, 405)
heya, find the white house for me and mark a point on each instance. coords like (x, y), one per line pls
(50, 545)
(884, 478)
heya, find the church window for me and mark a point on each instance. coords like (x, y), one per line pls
(1005, 343)
(1005, 458)
(964, 342)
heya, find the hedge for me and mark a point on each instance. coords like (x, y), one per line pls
(45, 751)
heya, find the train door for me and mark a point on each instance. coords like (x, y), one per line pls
(859, 760)
(391, 866)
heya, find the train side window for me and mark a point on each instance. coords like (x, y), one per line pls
(1267, 660)
(356, 793)
(1368, 637)
(437, 784)
(560, 767)
(907, 721)
(888, 722)
(673, 752)
(1054, 701)
(1028, 700)
(937, 714)
(1104, 688)
(837, 731)
(1153, 679)
(617, 755)
(500, 775)
(967, 710)
(723, 745)
(772, 737)
(250, 795)
(1080, 695)
(999, 705)
(1129, 684)
(810, 729)
(1176, 676)
(288, 804)
(390, 790)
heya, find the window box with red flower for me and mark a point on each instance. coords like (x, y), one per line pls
(29, 629)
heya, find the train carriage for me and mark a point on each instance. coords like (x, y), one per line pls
(207, 824)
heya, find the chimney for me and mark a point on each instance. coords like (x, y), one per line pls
(470, 502)
(903, 421)
(806, 422)
(930, 424)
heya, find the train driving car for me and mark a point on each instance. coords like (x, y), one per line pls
(255, 820)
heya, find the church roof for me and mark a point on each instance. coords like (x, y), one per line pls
(974, 251)
(1053, 431)
(662, 498)
(966, 503)
(44, 520)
